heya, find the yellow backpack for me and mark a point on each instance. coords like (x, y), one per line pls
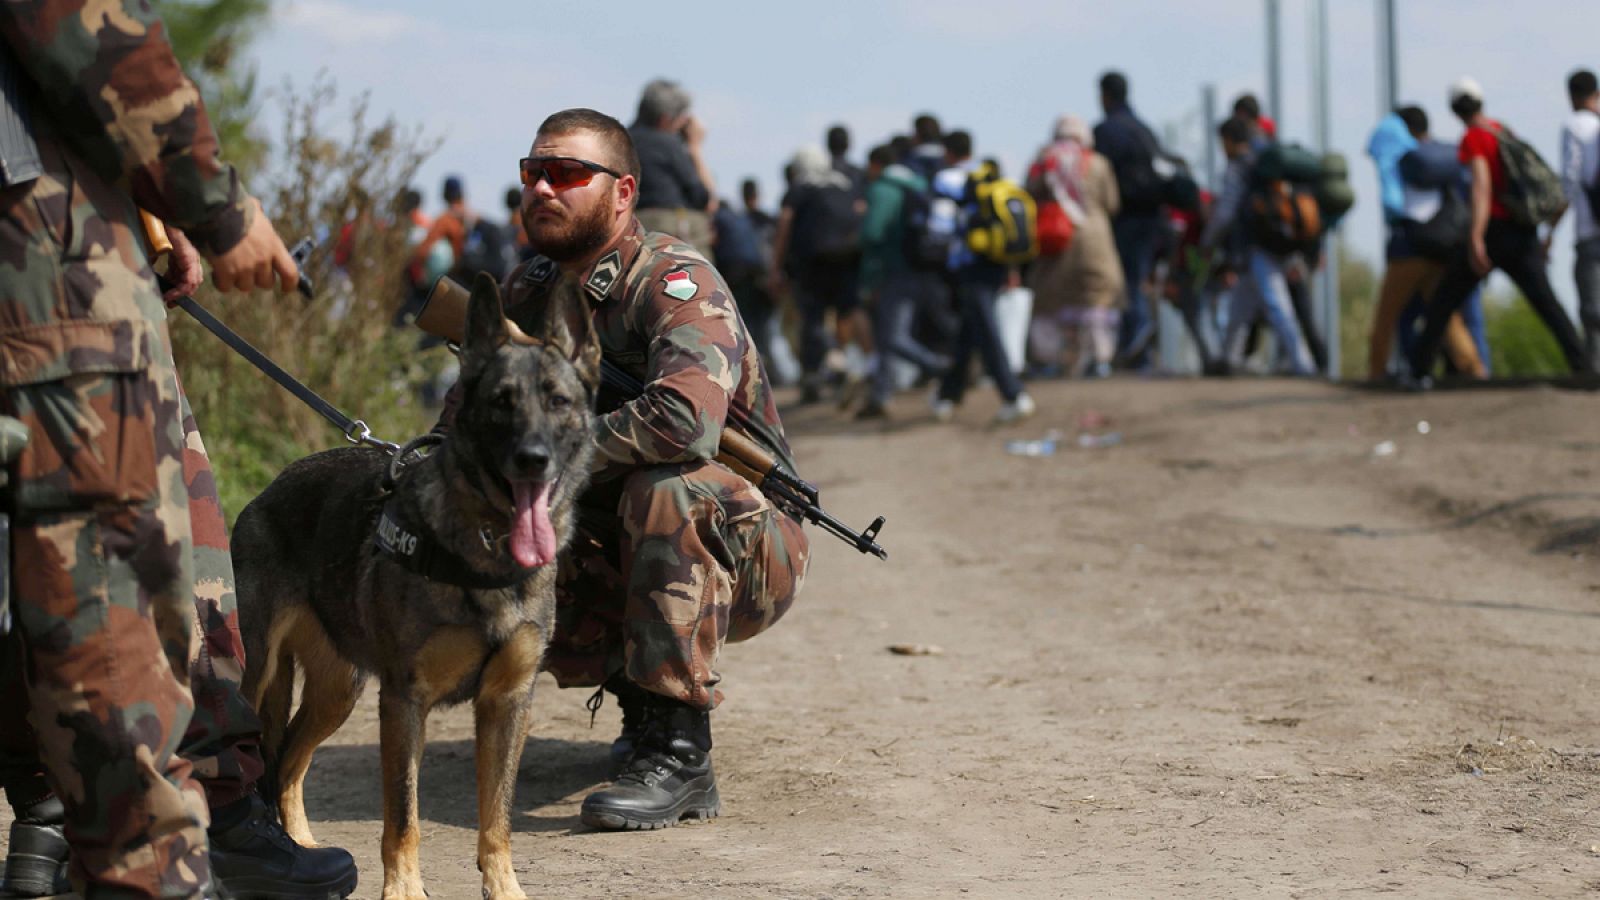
(1005, 227)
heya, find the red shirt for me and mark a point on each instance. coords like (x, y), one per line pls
(1484, 143)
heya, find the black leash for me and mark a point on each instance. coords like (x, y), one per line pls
(355, 430)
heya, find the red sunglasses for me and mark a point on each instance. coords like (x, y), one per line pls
(563, 172)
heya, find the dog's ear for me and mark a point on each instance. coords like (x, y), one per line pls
(569, 327)
(486, 320)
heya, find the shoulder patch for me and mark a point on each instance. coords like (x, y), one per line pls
(678, 285)
(604, 275)
(541, 269)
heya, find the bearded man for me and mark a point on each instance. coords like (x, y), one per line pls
(677, 554)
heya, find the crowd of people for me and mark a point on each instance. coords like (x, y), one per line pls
(867, 279)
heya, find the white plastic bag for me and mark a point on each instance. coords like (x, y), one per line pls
(1013, 308)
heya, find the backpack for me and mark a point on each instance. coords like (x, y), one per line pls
(1533, 193)
(1442, 236)
(486, 249)
(926, 232)
(1004, 227)
(1282, 215)
(828, 224)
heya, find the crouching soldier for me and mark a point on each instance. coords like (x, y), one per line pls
(676, 553)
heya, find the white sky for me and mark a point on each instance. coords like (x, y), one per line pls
(768, 77)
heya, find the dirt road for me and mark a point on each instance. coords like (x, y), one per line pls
(1238, 654)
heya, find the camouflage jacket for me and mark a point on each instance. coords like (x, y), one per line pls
(664, 316)
(106, 83)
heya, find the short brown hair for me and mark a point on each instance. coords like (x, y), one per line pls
(617, 141)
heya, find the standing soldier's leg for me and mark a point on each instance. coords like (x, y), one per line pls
(103, 607)
(250, 852)
(36, 847)
(223, 741)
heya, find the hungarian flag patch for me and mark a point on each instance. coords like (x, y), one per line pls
(678, 285)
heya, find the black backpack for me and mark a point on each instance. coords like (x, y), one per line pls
(828, 224)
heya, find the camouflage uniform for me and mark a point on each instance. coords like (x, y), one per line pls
(676, 553)
(108, 577)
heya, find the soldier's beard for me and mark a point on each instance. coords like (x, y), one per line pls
(570, 239)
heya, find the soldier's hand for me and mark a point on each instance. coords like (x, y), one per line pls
(184, 272)
(254, 262)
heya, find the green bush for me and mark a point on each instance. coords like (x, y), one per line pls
(340, 343)
(1519, 343)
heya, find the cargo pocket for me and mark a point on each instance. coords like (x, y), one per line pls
(741, 511)
(91, 404)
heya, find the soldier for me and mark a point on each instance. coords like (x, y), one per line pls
(679, 554)
(124, 605)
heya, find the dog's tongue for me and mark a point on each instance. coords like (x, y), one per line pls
(533, 540)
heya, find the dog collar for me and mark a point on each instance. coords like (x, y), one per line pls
(413, 546)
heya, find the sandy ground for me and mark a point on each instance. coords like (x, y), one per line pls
(1239, 654)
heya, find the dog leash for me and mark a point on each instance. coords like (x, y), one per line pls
(355, 431)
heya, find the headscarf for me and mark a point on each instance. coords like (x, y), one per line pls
(814, 168)
(1065, 165)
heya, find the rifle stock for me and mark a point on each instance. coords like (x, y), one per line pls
(444, 315)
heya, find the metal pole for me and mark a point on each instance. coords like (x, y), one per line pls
(1274, 64)
(1388, 58)
(1208, 139)
(1322, 101)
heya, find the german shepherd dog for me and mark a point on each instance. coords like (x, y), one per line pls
(328, 581)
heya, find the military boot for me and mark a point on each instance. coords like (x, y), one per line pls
(36, 854)
(668, 777)
(634, 701)
(255, 859)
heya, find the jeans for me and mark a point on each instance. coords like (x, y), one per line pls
(980, 335)
(903, 293)
(1516, 251)
(1587, 273)
(1265, 291)
(1136, 238)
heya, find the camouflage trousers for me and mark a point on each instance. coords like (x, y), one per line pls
(671, 562)
(132, 655)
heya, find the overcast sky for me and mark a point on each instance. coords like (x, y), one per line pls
(769, 77)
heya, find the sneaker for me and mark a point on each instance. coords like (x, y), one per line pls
(1015, 411)
(943, 410)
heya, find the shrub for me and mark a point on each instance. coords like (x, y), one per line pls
(341, 343)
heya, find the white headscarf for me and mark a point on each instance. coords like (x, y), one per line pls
(1066, 161)
(813, 168)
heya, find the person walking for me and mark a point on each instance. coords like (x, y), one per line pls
(1495, 241)
(1080, 289)
(1263, 288)
(896, 289)
(1422, 186)
(977, 284)
(1580, 178)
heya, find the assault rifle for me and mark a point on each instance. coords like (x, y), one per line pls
(444, 315)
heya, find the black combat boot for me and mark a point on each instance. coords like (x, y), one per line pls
(668, 777)
(36, 855)
(634, 701)
(255, 859)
